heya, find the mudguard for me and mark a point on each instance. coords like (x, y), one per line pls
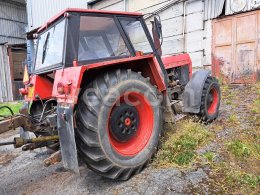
(67, 138)
(193, 91)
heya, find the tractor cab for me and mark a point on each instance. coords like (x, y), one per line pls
(90, 37)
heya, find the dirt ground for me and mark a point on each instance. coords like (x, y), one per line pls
(225, 161)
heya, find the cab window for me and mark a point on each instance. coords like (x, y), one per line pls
(99, 38)
(136, 34)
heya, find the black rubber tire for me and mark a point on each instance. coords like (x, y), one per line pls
(210, 83)
(92, 139)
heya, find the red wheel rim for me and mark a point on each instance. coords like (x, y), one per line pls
(212, 107)
(144, 130)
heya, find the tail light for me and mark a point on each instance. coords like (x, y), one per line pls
(63, 88)
(60, 88)
(23, 91)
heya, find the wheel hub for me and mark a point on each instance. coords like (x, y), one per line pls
(124, 121)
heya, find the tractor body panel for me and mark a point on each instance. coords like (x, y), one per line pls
(39, 87)
(67, 82)
(178, 61)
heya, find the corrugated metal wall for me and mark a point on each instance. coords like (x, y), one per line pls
(241, 6)
(13, 21)
(6, 93)
(41, 11)
(213, 8)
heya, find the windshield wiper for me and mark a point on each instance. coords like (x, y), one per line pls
(45, 47)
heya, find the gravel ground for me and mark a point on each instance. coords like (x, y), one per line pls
(24, 173)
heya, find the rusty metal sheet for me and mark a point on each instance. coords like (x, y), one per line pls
(245, 63)
(235, 48)
(246, 27)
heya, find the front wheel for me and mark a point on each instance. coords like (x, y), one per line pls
(119, 122)
(210, 100)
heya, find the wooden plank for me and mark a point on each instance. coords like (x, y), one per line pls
(11, 123)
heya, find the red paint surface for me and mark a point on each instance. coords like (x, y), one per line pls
(39, 86)
(177, 61)
(144, 130)
(71, 79)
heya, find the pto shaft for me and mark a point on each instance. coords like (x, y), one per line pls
(19, 142)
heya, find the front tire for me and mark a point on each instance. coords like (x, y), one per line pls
(119, 121)
(210, 100)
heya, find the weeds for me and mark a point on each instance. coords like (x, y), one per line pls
(209, 156)
(238, 149)
(180, 149)
(243, 178)
(256, 106)
(233, 119)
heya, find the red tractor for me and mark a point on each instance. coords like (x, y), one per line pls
(100, 90)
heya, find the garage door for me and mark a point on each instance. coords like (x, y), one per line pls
(235, 47)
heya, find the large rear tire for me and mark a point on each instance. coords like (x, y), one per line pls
(210, 100)
(118, 124)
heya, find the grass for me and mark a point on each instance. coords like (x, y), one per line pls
(233, 119)
(209, 156)
(227, 94)
(15, 106)
(234, 159)
(238, 149)
(242, 178)
(256, 106)
(234, 181)
(179, 149)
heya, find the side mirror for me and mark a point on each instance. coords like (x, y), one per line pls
(158, 27)
(157, 34)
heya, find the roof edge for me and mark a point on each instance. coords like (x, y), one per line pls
(56, 17)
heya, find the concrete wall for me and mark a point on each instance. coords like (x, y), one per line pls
(189, 33)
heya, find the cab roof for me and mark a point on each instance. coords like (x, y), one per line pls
(56, 17)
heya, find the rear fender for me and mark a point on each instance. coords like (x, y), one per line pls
(74, 78)
(193, 92)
